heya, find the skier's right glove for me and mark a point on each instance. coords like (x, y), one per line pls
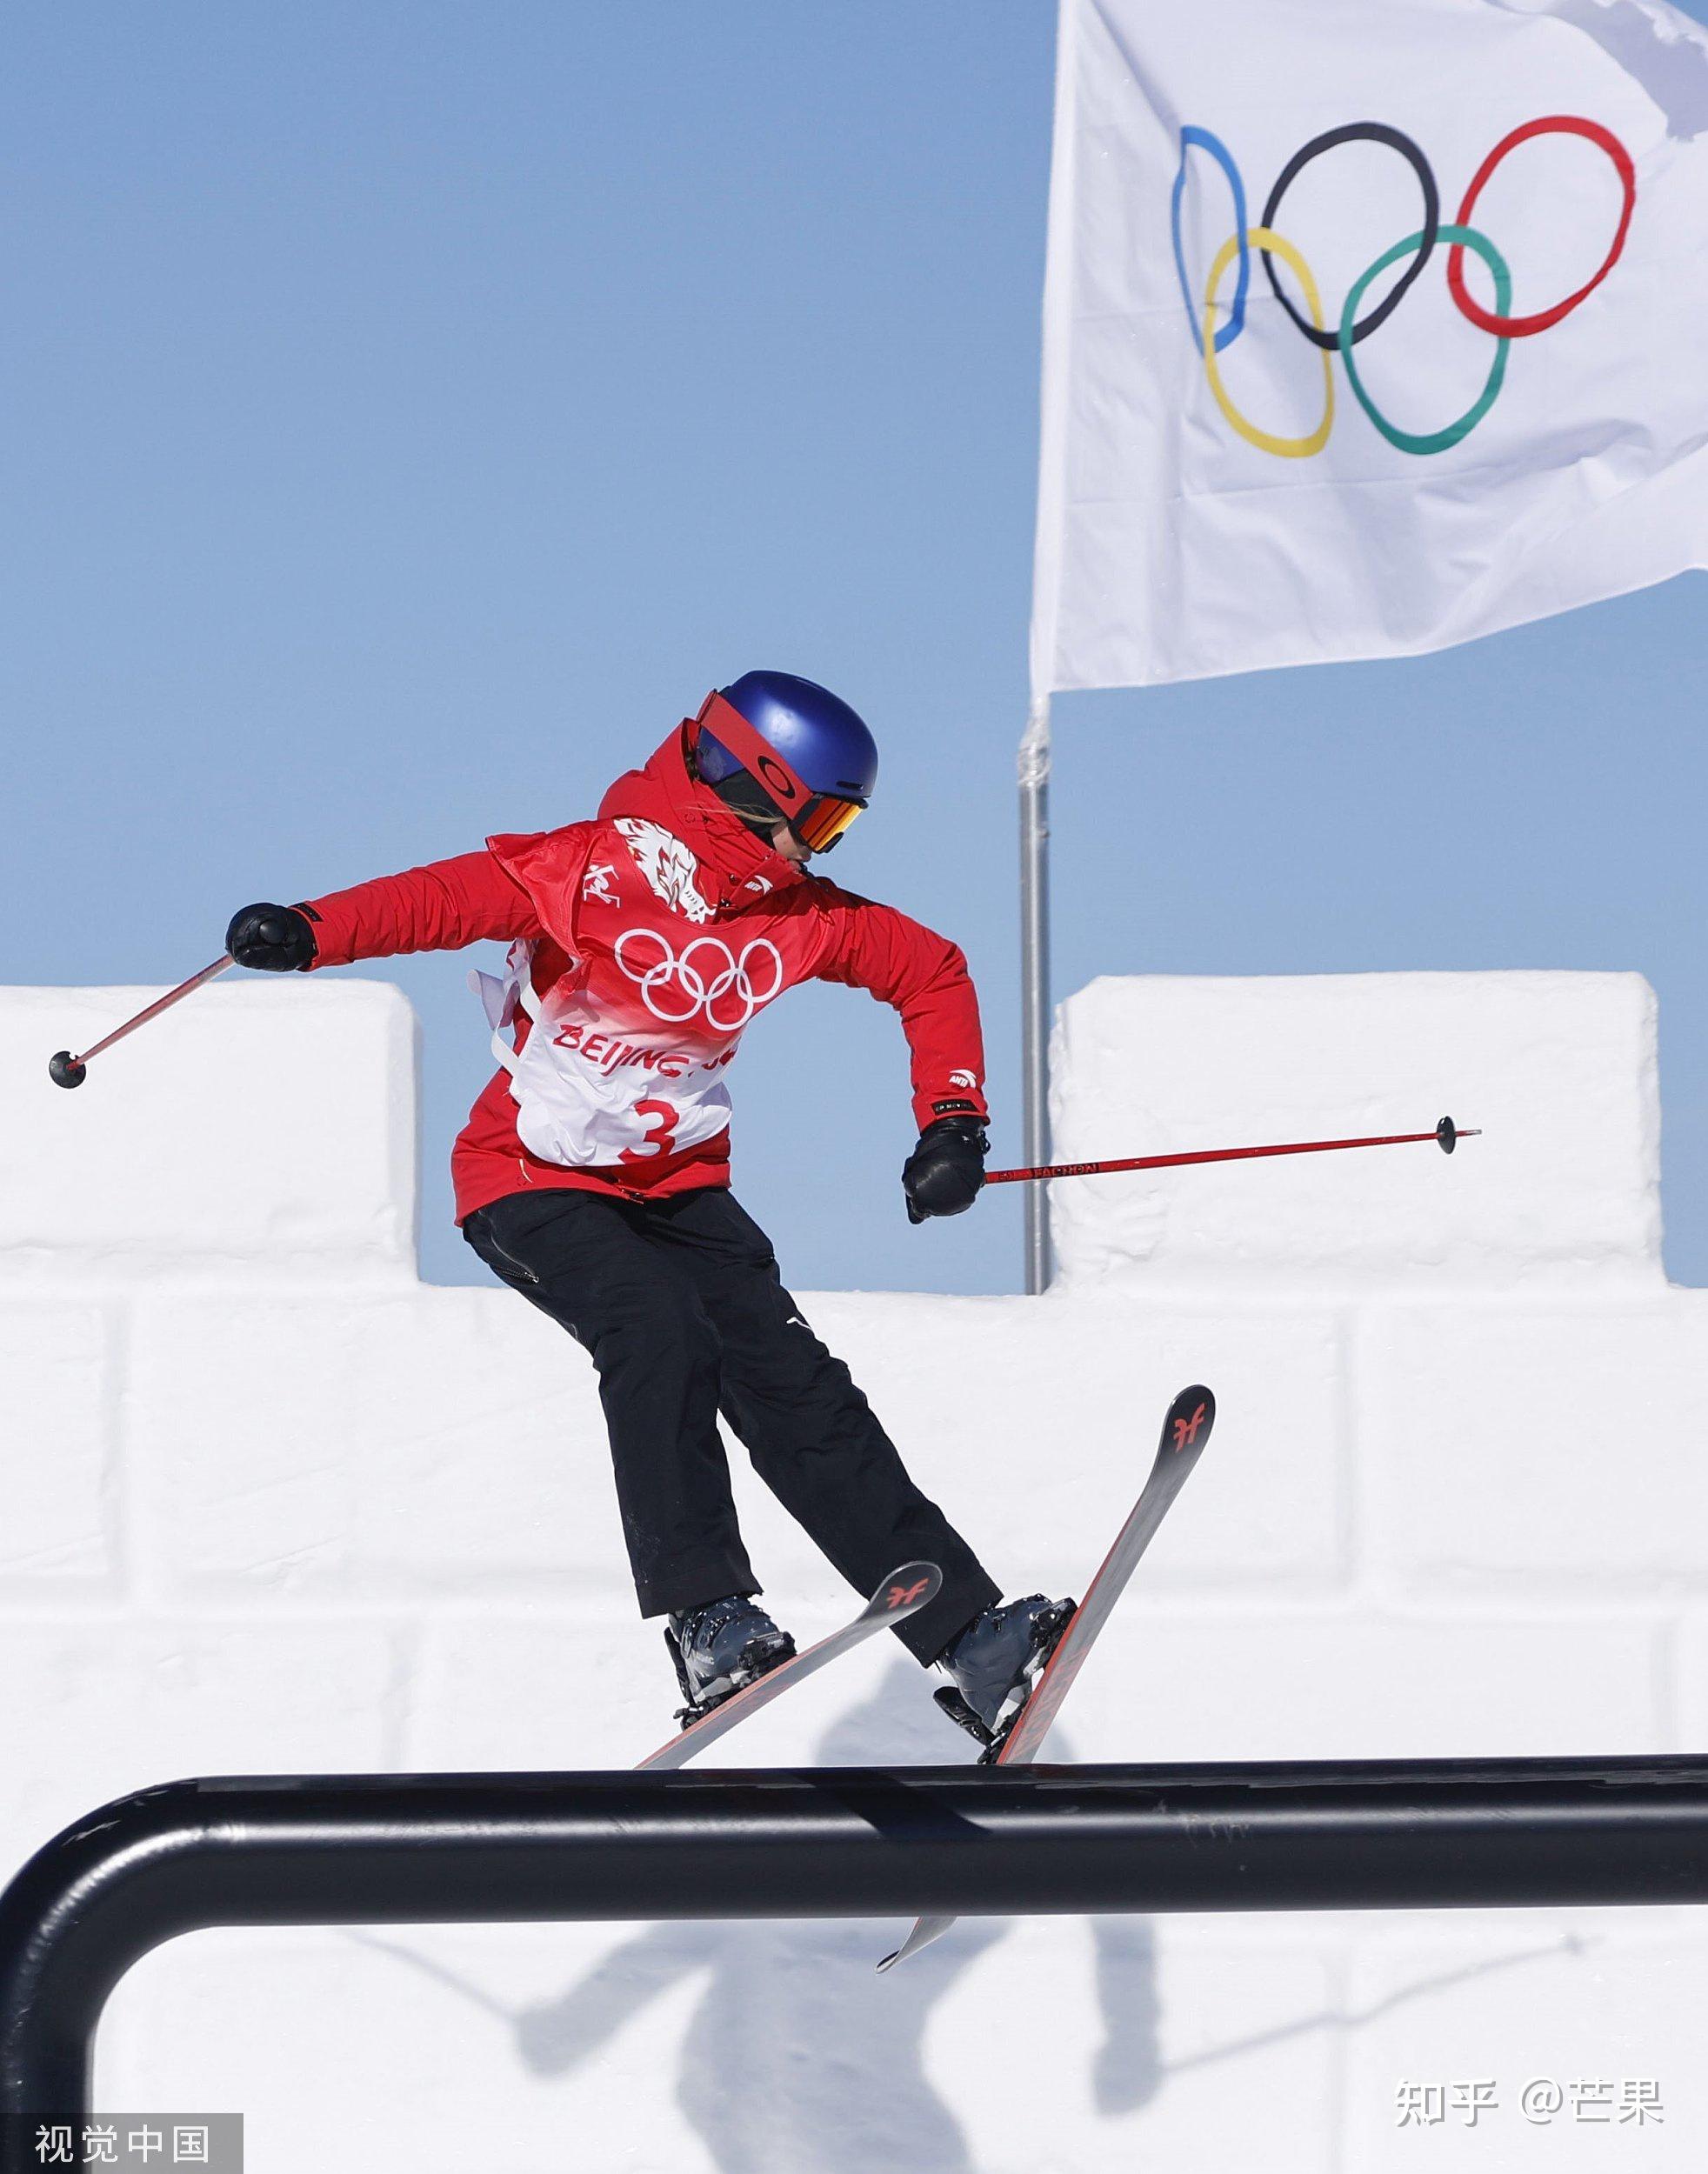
(944, 1172)
(276, 939)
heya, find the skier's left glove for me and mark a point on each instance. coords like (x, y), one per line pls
(944, 1172)
(275, 939)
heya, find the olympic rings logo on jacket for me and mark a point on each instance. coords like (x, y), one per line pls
(1352, 330)
(676, 990)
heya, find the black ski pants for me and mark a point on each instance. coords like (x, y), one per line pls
(679, 1301)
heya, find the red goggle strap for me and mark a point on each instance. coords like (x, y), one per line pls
(727, 725)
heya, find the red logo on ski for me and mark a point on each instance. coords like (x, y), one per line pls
(903, 1596)
(1187, 1430)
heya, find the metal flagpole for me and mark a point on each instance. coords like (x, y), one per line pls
(1034, 774)
(1043, 649)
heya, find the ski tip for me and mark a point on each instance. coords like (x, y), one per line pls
(906, 1591)
(1190, 1418)
(925, 1929)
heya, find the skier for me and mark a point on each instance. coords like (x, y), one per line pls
(593, 1173)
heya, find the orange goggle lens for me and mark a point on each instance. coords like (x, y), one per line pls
(823, 820)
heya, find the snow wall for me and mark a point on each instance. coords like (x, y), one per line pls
(269, 1503)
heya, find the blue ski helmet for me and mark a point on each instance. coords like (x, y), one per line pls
(824, 746)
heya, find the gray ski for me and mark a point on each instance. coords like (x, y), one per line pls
(902, 1593)
(1185, 1431)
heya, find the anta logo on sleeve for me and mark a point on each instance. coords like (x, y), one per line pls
(668, 866)
(596, 885)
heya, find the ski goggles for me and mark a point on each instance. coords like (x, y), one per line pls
(818, 819)
(824, 821)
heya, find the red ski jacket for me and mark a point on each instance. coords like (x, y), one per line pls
(642, 944)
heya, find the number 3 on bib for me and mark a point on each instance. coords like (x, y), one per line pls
(660, 1135)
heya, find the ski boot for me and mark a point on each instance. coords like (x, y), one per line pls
(721, 1647)
(995, 1662)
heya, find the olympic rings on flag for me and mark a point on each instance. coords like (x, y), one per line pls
(1286, 448)
(1552, 124)
(1223, 158)
(1357, 132)
(1433, 441)
(1352, 330)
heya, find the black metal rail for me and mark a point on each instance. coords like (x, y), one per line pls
(421, 1849)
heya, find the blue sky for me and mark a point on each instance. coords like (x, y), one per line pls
(414, 409)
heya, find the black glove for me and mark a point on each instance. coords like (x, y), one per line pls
(944, 1172)
(277, 939)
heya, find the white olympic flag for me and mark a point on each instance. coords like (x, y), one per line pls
(1370, 325)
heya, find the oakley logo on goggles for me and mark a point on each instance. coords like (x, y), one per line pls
(817, 819)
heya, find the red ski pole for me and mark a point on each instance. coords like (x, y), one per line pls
(1446, 1137)
(66, 1070)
